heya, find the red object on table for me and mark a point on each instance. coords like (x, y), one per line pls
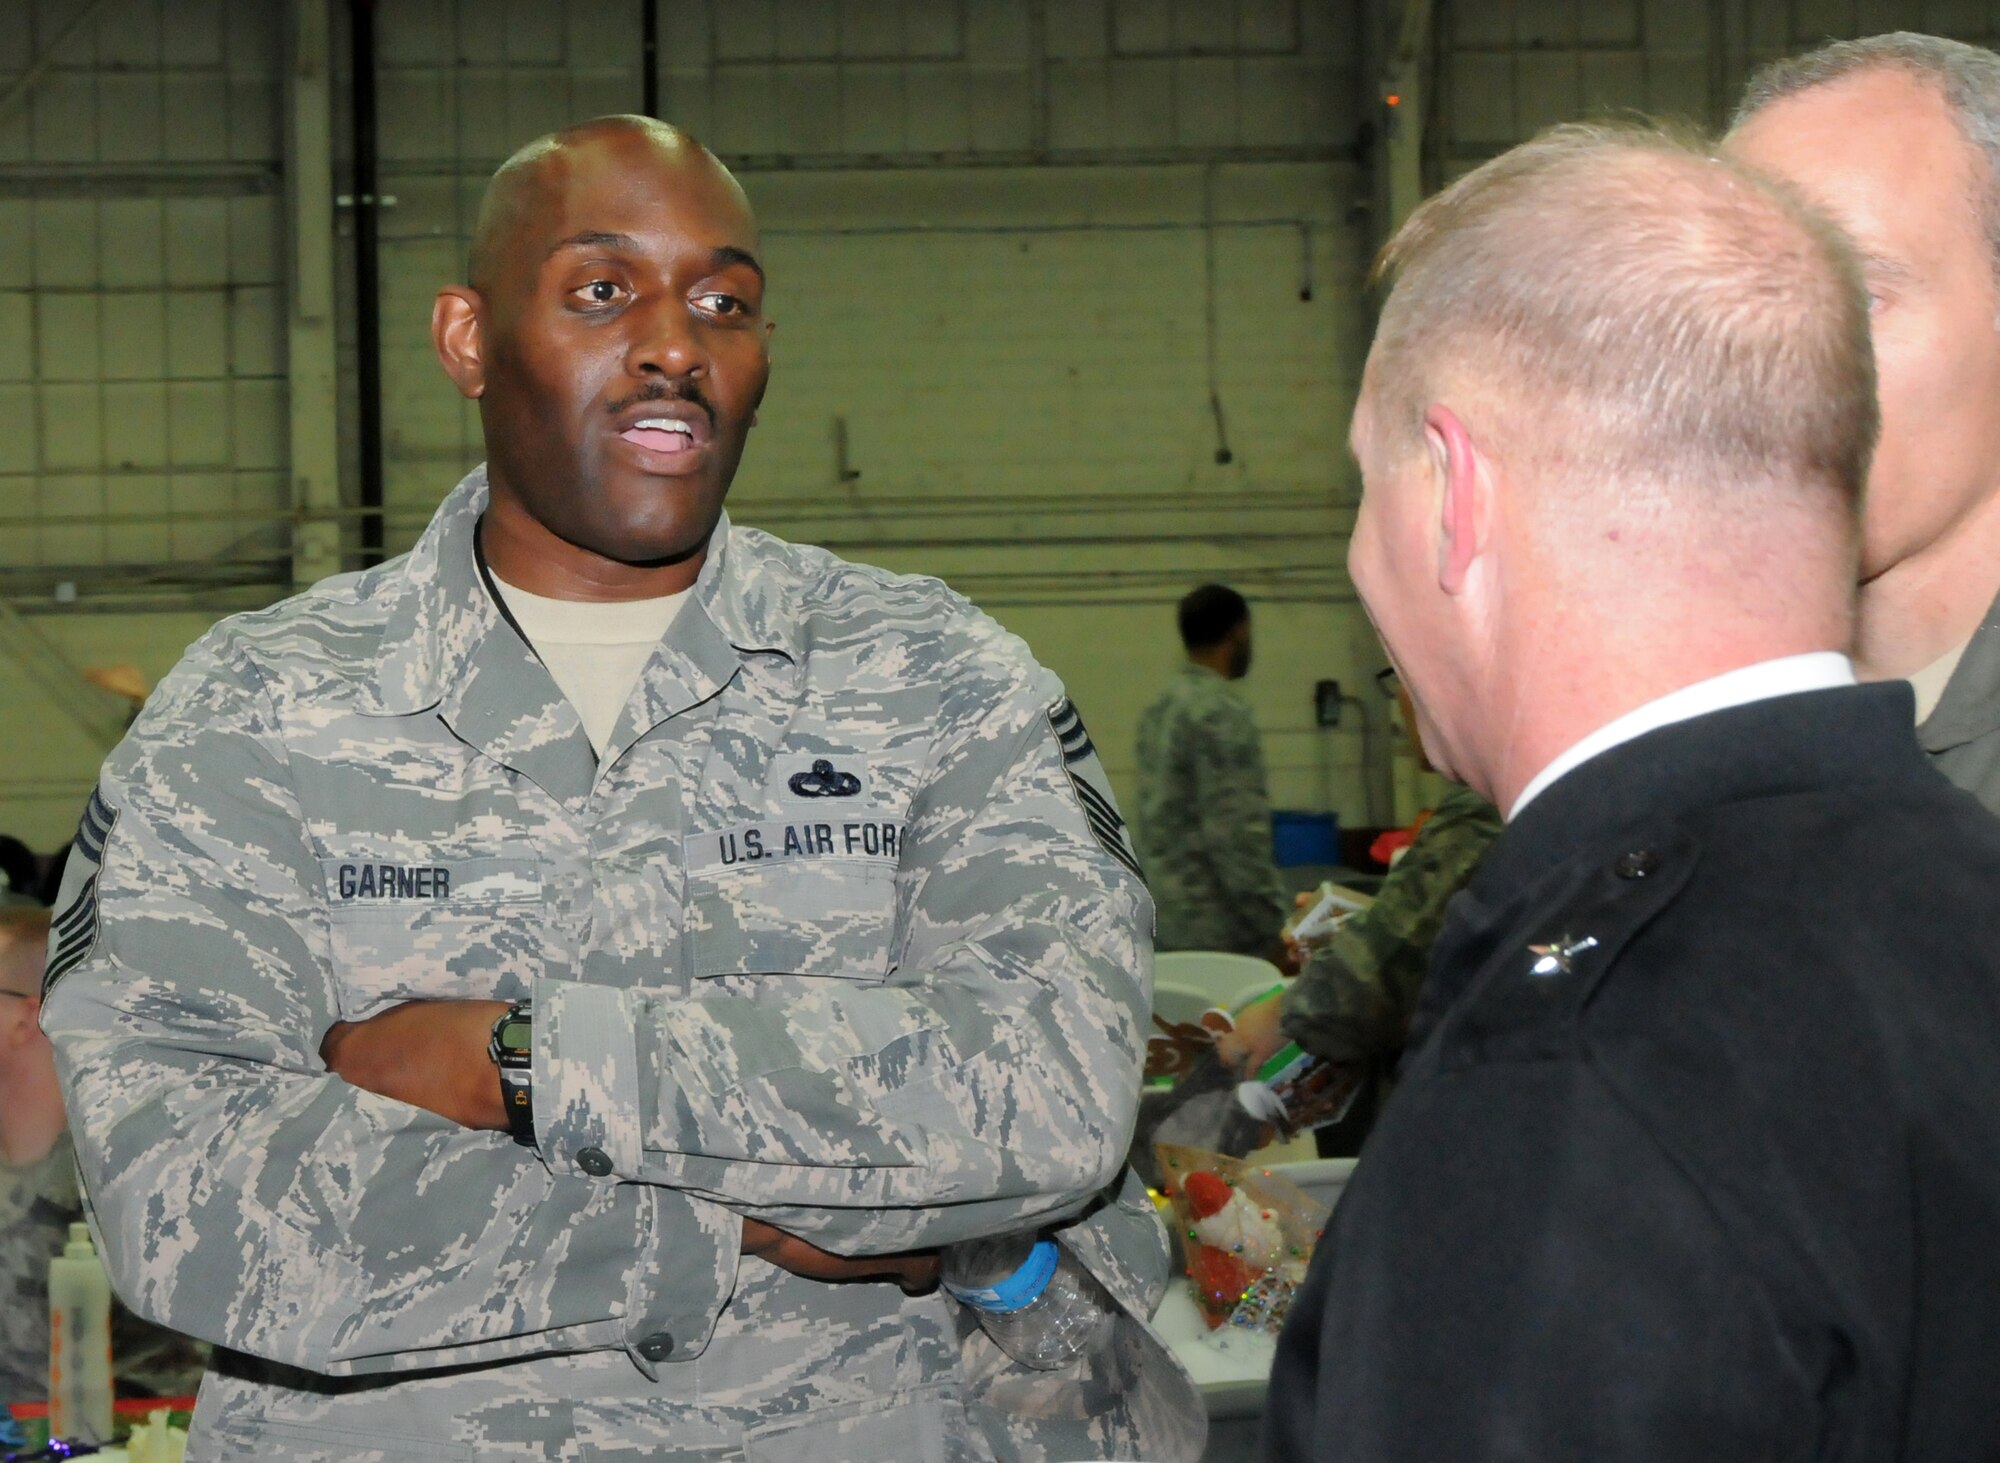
(1387, 845)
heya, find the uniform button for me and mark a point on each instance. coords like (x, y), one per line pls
(1637, 864)
(594, 1161)
(657, 1347)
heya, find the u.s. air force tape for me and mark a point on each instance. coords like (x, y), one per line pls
(1092, 787)
(73, 929)
(860, 839)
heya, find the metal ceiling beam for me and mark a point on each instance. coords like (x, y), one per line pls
(1404, 105)
(311, 360)
(45, 666)
(137, 180)
(23, 86)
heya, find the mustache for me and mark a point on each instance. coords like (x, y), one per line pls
(661, 391)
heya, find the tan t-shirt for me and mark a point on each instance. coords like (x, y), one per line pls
(595, 652)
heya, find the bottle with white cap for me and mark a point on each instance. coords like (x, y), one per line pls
(1034, 1299)
(79, 1342)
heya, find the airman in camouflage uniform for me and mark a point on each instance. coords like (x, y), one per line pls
(1203, 820)
(840, 933)
(1355, 998)
(1357, 995)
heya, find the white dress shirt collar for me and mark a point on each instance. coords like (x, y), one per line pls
(1786, 676)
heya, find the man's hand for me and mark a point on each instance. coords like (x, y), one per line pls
(1290, 956)
(1257, 1036)
(916, 1270)
(430, 1054)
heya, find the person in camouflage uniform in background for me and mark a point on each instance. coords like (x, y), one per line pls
(1357, 994)
(1203, 819)
(830, 947)
(39, 1199)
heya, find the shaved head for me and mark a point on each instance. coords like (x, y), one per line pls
(539, 169)
(613, 334)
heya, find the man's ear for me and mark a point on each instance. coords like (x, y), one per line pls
(456, 335)
(1464, 499)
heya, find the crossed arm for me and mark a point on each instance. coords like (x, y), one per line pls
(433, 1055)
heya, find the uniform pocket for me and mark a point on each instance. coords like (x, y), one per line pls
(833, 918)
(445, 929)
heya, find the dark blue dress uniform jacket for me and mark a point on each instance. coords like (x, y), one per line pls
(1722, 1186)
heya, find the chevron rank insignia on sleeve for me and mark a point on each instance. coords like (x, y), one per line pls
(73, 929)
(1092, 787)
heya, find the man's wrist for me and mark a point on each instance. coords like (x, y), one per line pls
(511, 1050)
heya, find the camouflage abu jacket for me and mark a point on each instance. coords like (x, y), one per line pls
(842, 933)
(1356, 997)
(1203, 820)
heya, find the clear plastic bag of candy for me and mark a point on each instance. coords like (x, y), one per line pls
(1247, 1235)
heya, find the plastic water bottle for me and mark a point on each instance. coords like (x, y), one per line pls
(1033, 1297)
(79, 1342)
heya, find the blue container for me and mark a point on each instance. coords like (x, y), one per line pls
(1305, 838)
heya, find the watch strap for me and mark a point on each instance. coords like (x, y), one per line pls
(512, 1051)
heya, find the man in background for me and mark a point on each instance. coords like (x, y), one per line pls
(1203, 819)
(38, 1195)
(1356, 996)
(1698, 1152)
(1897, 138)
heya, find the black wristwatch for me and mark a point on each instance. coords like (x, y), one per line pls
(513, 1053)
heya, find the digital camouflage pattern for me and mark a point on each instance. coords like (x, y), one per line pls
(1203, 821)
(1354, 1000)
(887, 1005)
(38, 1203)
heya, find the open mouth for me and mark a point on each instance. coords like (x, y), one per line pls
(661, 434)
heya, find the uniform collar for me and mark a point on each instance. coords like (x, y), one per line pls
(1970, 705)
(1785, 675)
(449, 648)
(1847, 736)
(443, 614)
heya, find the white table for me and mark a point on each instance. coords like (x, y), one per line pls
(1232, 1379)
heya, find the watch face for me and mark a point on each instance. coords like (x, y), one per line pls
(517, 1035)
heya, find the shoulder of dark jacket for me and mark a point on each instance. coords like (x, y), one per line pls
(1546, 956)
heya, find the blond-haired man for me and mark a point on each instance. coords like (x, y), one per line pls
(1698, 1155)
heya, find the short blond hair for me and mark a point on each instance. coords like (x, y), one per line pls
(1644, 310)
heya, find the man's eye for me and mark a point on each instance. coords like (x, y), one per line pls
(721, 304)
(600, 292)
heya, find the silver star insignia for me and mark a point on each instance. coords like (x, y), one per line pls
(1555, 957)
